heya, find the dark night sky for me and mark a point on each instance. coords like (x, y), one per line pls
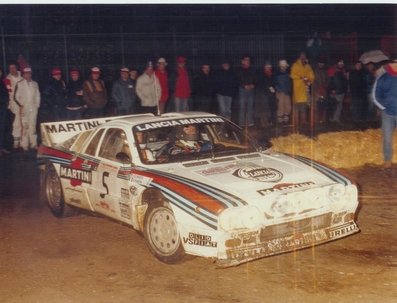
(274, 18)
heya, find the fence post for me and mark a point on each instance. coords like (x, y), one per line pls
(174, 42)
(122, 45)
(4, 50)
(65, 45)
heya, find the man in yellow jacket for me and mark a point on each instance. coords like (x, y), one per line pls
(302, 76)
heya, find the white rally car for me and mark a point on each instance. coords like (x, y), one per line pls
(194, 183)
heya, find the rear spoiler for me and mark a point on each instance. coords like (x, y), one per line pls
(53, 133)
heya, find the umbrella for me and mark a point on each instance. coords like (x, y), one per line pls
(374, 56)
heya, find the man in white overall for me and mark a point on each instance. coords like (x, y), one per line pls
(27, 97)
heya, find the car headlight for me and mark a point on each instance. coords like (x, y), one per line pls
(248, 217)
(336, 192)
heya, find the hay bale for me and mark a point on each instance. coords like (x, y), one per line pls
(338, 149)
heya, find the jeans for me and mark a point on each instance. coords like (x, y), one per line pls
(389, 124)
(246, 107)
(225, 106)
(181, 104)
(339, 107)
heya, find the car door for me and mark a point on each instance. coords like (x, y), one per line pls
(77, 177)
(111, 191)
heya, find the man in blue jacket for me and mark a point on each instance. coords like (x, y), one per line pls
(386, 99)
(226, 86)
(123, 93)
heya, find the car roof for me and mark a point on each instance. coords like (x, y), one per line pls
(149, 118)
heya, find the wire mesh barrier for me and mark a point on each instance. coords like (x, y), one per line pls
(110, 51)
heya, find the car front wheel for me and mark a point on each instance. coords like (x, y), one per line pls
(161, 234)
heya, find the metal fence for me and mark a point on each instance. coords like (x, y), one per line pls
(111, 51)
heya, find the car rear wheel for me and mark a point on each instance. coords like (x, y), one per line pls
(162, 235)
(53, 195)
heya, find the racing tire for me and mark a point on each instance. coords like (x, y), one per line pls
(52, 194)
(161, 234)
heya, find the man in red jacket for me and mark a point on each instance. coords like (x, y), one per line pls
(181, 85)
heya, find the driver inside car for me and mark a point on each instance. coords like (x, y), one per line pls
(188, 140)
(145, 152)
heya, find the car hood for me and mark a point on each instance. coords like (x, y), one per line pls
(256, 177)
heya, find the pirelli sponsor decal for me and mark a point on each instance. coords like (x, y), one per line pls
(285, 186)
(75, 174)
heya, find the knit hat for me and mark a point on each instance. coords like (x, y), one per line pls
(124, 69)
(162, 60)
(27, 70)
(267, 63)
(95, 70)
(56, 71)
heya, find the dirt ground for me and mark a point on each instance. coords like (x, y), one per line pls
(92, 259)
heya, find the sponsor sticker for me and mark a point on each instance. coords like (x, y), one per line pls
(133, 190)
(75, 174)
(284, 186)
(125, 194)
(142, 180)
(71, 126)
(261, 174)
(199, 240)
(343, 230)
(217, 170)
(125, 210)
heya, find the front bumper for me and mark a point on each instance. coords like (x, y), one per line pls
(245, 247)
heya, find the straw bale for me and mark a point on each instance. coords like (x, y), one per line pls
(338, 149)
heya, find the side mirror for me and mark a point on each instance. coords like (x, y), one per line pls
(123, 158)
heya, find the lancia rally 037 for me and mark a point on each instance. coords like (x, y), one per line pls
(194, 183)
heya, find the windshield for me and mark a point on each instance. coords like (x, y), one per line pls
(186, 140)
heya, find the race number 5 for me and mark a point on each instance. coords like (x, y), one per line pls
(105, 175)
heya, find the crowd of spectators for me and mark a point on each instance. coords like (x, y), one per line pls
(277, 95)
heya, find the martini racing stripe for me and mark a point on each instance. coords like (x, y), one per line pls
(43, 159)
(196, 196)
(203, 216)
(53, 155)
(218, 194)
(325, 170)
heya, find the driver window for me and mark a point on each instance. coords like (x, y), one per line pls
(114, 142)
